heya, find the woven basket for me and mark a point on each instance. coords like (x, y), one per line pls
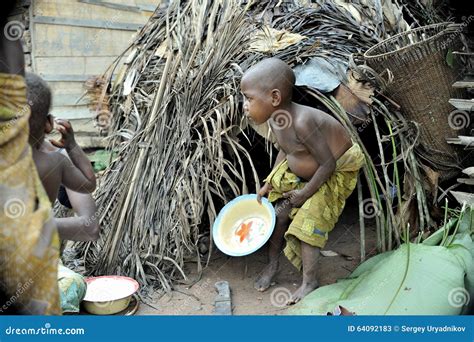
(422, 85)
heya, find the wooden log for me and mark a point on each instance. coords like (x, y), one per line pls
(463, 84)
(469, 181)
(461, 140)
(361, 220)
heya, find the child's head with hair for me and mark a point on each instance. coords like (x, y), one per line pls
(267, 86)
(39, 99)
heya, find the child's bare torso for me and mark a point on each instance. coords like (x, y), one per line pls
(300, 161)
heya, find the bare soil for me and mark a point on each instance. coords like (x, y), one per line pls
(240, 272)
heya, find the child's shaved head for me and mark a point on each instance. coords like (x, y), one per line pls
(272, 73)
(39, 99)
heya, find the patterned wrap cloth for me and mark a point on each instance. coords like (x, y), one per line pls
(29, 243)
(72, 289)
(318, 215)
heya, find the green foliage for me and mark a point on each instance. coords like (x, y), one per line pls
(101, 159)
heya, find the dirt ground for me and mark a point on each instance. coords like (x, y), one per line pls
(240, 272)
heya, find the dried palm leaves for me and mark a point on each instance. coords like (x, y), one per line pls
(171, 127)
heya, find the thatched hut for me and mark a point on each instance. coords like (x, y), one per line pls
(184, 149)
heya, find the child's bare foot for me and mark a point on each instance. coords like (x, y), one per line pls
(303, 290)
(264, 280)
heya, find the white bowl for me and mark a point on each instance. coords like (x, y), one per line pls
(108, 295)
(243, 226)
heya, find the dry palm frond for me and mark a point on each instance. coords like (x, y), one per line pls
(426, 12)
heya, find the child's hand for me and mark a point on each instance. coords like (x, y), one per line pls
(296, 197)
(67, 134)
(263, 191)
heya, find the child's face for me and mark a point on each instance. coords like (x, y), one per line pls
(257, 104)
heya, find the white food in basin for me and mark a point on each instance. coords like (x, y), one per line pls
(108, 289)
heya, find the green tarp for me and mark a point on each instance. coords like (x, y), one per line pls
(434, 277)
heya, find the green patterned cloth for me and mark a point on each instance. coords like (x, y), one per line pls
(318, 215)
(72, 289)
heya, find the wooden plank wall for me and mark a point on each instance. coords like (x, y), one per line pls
(73, 40)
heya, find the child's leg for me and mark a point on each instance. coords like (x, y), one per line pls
(309, 256)
(275, 246)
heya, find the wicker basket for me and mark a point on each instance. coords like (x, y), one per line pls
(422, 85)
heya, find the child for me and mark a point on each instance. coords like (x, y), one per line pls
(55, 168)
(315, 170)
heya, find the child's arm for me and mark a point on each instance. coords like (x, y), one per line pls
(310, 135)
(280, 156)
(84, 226)
(78, 175)
(266, 188)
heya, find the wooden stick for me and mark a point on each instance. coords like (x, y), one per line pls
(124, 209)
(361, 219)
(388, 200)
